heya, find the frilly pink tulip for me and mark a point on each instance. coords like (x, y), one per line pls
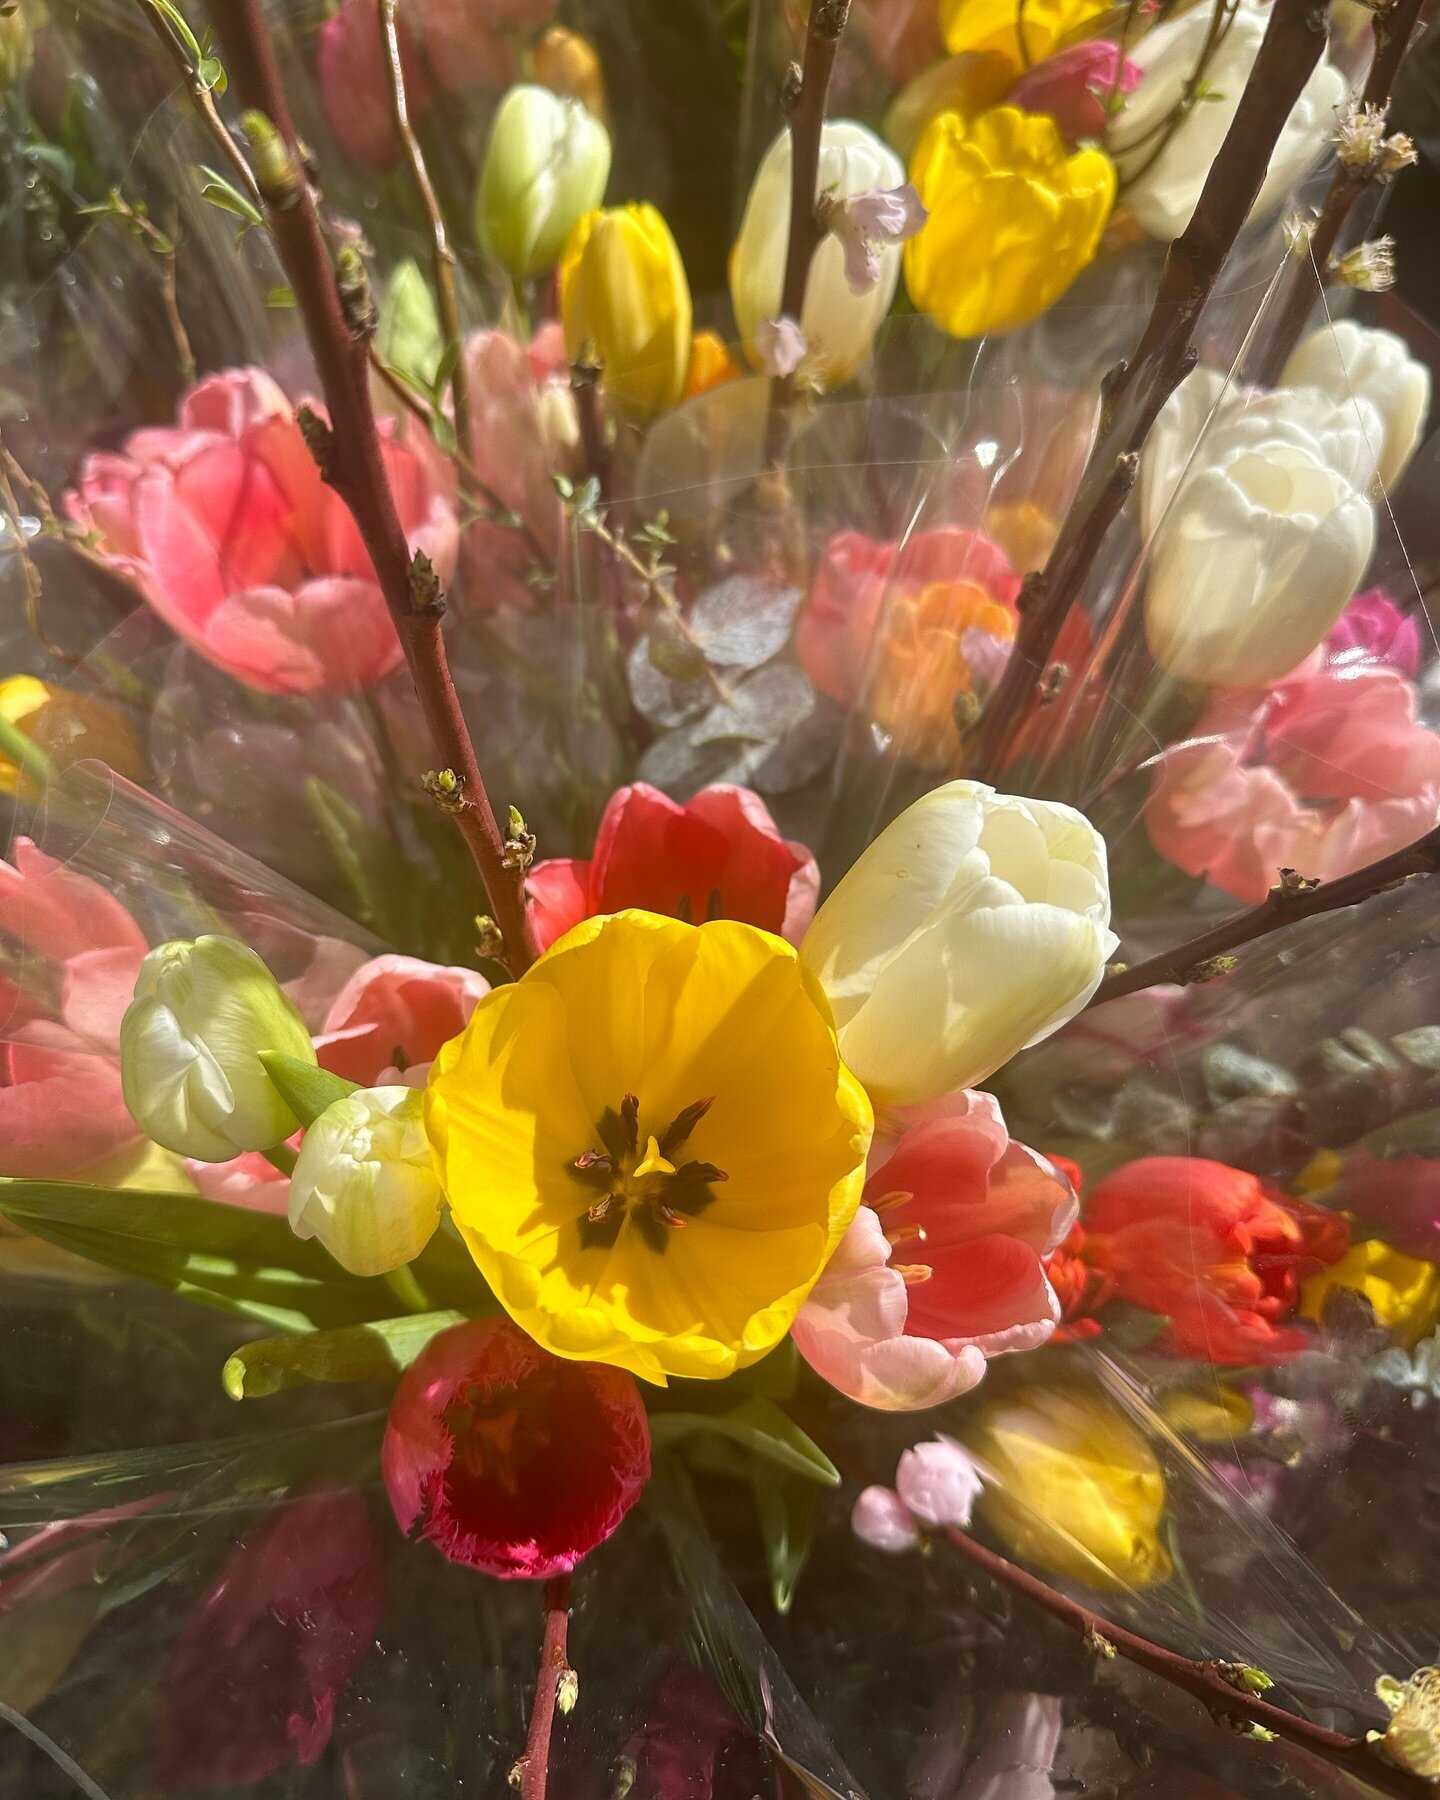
(1373, 628)
(350, 70)
(719, 856)
(859, 579)
(61, 1108)
(254, 1676)
(1324, 772)
(975, 1216)
(225, 525)
(1073, 87)
(388, 1022)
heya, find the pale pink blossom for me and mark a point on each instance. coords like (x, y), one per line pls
(61, 1108)
(881, 1519)
(1326, 771)
(1022, 1735)
(865, 222)
(938, 1483)
(943, 1266)
(780, 345)
(225, 525)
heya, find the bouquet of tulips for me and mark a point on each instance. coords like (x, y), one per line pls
(718, 1069)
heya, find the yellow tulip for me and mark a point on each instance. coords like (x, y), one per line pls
(711, 364)
(650, 1145)
(996, 25)
(64, 727)
(1071, 1484)
(1218, 1416)
(22, 698)
(965, 84)
(1014, 218)
(625, 302)
(1403, 1291)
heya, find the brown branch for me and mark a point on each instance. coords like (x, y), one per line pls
(1293, 899)
(442, 257)
(533, 1767)
(806, 96)
(1393, 26)
(338, 332)
(1135, 392)
(1212, 1684)
(202, 97)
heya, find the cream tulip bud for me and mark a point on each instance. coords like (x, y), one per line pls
(1262, 526)
(364, 1183)
(190, 1045)
(1163, 189)
(839, 325)
(975, 925)
(1347, 360)
(545, 167)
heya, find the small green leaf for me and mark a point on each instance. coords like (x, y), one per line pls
(224, 194)
(373, 1352)
(280, 297)
(306, 1089)
(759, 1427)
(786, 1510)
(408, 339)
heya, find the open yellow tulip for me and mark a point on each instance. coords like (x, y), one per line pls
(650, 1144)
(1014, 218)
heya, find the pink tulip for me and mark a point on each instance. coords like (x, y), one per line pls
(1372, 628)
(470, 43)
(973, 1215)
(860, 580)
(249, 1181)
(350, 69)
(1017, 1756)
(1074, 86)
(1398, 1198)
(61, 1108)
(390, 1019)
(718, 857)
(254, 1676)
(1322, 773)
(228, 530)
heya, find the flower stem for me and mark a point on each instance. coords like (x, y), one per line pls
(1208, 1682)
(1393, 26)
(1135, 391)
(339, 334)
(442, 257)
(534, 1765)
(1291, 900)
(407, 1290)
(807, 94)
(281, 1157)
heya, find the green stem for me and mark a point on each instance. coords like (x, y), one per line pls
(24, 752)
(282, 1157)
(407, 1290)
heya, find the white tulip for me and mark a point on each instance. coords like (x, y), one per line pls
(839, 325)
(190, 1046)
(546, 165)
(364, 1183)
(1350, 361)
(975, 925)
(1162, 193)
(1262, 526)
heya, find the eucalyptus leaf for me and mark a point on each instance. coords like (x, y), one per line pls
(659, 695)
(307, 1090)
(744, 621)
(763, 707)
(373, 1352)
(759, 1427)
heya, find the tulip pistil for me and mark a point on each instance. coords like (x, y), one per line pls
(646, 1185)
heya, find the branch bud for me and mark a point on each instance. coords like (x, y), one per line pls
(276, 173)
(427, 597)
(489, 939)
(1370, 266)
(446, 789)
(319, 440)
(520, 844)
(356, 301)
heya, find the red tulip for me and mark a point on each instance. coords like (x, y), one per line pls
(719, 857)
(508, 1459)
(253, 1678)
(1214, 1250)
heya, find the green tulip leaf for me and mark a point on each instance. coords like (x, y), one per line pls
(377, 1351)
(307, 1090)
(758, 1427)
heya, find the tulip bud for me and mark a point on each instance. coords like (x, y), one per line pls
(838, 324)
(1072, 1485)
(17, 47)
(546, 166)
(567, 64)
(625, 302)
(364, 1183)
(1260, 504)
(969, 84)
(1346, 359)
(190, 1046)
(974, 925)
